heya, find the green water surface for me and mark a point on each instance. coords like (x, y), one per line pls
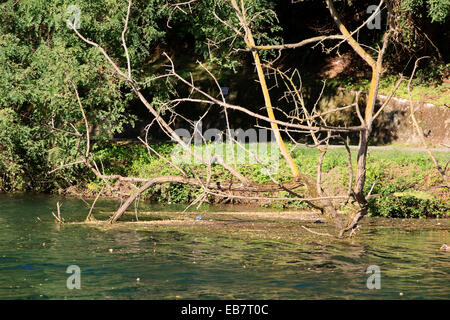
(175, 264)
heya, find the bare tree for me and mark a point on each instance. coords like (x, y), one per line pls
(302, 119)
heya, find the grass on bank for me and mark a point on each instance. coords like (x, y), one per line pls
(406, 182)
(437, 94)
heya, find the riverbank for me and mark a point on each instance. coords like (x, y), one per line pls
(405, 183)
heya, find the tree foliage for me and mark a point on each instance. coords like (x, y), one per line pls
(39, 54)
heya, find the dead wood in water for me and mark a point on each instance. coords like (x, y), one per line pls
(303, 119)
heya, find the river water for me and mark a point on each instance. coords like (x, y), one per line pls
(174, 264)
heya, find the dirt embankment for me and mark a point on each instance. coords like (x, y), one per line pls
(395, 124)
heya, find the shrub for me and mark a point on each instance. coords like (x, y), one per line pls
(407, 207)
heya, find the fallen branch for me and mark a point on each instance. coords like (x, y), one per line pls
(318, 233)
(58, 218)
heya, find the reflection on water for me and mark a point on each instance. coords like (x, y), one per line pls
(35, 253)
